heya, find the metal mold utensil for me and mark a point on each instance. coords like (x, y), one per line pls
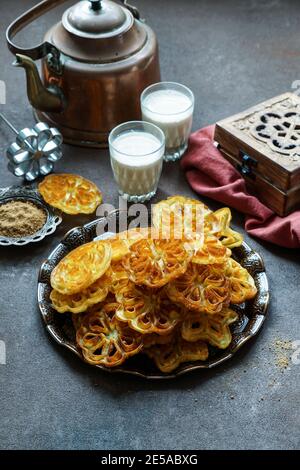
(35, 150)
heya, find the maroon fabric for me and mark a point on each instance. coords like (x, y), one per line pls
(209, 174)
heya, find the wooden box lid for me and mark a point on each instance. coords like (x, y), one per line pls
(270, 134)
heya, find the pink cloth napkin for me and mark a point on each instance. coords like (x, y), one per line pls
(209, 174)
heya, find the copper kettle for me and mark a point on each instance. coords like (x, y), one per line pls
(95, 63)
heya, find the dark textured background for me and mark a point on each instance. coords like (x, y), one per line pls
(232, 54)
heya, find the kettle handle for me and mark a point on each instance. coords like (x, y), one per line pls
(135, 12)
(41, 50)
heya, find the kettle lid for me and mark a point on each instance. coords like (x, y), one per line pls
(98, 31)
(96, 19)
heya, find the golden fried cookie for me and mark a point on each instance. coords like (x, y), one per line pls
(212, 251)
(168, 357)
(81, 267)
(147, 312)
(156, 262)
(242, 286)
(104, 340)
(179, 217)
(219, 225)
(182, 215)
(72, 194)
(201, 288)
(213, 329)
(80, 302)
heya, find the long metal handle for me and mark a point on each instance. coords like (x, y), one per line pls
(8, 123)
(40, 50)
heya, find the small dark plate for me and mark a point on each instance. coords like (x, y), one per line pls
(252, 314)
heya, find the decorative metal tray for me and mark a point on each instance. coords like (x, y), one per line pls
(29, 193)
(252, 314)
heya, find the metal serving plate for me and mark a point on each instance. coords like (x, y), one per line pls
(252, 314)
(30, 194)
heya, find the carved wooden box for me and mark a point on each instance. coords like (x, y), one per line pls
(263, 143)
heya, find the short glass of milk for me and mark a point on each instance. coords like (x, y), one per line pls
(136, 154)
(170, 106)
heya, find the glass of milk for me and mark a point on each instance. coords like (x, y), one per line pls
(136, 154)
(170, 106)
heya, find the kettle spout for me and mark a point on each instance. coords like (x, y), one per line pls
(40, 97)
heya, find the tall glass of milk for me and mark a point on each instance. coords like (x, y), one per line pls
(170, 106)
(136, 154)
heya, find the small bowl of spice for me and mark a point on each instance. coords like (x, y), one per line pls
(24, 216)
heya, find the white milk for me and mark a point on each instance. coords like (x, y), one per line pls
(136, 162)
(172, 111)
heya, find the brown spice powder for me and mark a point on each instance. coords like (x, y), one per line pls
(282, 348)
(20, 219)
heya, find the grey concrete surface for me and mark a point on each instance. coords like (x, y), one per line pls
(232, 54)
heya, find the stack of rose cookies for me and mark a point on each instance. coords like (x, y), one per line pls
(165, 291)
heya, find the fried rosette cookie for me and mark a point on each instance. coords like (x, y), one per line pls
(183, 217)
(201, 288)
(242, 286)
(213, 329)
(104, 340)
(155, 262)
(179, 217)
(218, 224)
(146, 311)
(80, 302)
(168, 357)
(81, 267)
(70, 193)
